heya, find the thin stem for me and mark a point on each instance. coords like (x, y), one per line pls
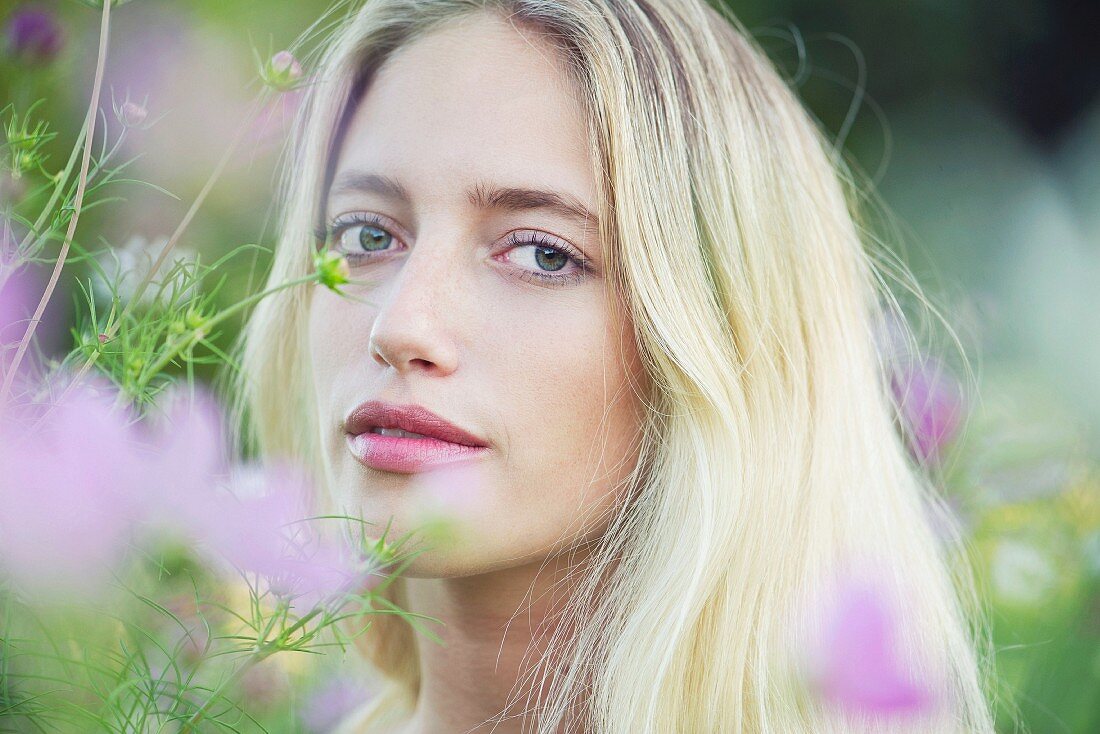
(59, 186)
(93, 109)
(207, 187)
(113, 327)
(261, 651)
(163, 362)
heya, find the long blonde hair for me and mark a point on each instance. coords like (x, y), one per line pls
(770, 455)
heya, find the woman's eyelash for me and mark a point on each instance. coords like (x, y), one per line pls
(536, 239)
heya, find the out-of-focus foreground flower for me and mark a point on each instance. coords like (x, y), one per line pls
(33, 36)
(91, 481)
(68, 494)
(931, 404)
(857, 665)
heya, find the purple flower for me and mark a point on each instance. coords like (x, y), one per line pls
(857, 665)
(188, 457)
(67, 493)
(254, 517)
(931, 405)
(33, 36)
(264, 527)
(15, 304)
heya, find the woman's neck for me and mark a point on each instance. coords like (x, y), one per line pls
(496, 629)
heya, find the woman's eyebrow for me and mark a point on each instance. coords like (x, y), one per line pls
(482, 195)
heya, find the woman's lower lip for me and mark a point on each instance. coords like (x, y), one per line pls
(408, 455)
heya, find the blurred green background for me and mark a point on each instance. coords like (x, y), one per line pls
(978, 121)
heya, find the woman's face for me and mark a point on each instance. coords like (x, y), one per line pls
(516, 343)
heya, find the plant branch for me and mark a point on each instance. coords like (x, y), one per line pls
(93, 108)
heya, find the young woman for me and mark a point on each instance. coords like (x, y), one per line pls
(607, 264)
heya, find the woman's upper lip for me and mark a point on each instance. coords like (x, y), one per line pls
(412, 418)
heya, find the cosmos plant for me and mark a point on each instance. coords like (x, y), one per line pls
(147, 573)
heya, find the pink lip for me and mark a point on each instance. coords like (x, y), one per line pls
(408, 455)
(444, 442)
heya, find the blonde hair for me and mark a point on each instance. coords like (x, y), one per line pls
(770, 457)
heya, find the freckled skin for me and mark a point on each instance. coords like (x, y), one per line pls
(449, 323)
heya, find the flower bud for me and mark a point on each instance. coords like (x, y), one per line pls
(282, 71)
(132, 114)
(333, 269)
(33, 36)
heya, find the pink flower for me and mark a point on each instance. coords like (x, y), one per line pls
(282, 71)
(265, 528)
(132, 114)
(273, 123)
(68, 493)
(20, 290)
(931, 405)
(856, 665)
(188, 457)
(251, 516)
(15, 304)
(447, 499)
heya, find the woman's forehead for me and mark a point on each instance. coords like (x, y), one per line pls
(445, 123)
(471, 96)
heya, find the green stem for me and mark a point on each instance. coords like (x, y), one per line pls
(59, 186)
(77, 204)
(262, 651)
(191, 338)
(112, 327)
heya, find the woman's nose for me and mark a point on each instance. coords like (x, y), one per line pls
(420, 306)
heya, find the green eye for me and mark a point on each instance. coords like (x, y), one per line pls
(373, 238)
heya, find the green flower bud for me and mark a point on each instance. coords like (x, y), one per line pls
(281, 72)
(333, 269)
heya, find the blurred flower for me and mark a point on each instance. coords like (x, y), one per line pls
(131, 114)
(930, 402)
(257, 522)
(452, 488)
(1022, 572)
(448, 495)
(264, 528)
(33, 36)
(15, 299)
(190, 644)
(192, 79)
(281, 72)
(67, 493)
(330, 701)
(186, 432)
(857, 665)
(126, 266)
(274, 121)
(334, 269)
(15, 310)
